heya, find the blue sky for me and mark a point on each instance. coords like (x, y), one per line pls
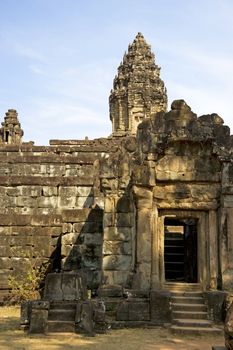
(59, 57)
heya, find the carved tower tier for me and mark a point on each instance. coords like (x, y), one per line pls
(11, 132)
(138, 92)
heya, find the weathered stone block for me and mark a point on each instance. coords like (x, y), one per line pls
(65, 286)
(69, 239)
(12, 191)
(70, 251)
(117, 262)
(48, 191)
(142, 278)
(73, 286)
(82, 215)
(66, 202)
(122, 313)
(45, 220)
(159, 192)
(40, 248)
(227, 201)
(91, 238)
(84, 191)
(108, 219)
(227, 279)
(228, 328)
(106, 291)
(215, 301)
(16, 251)
(22, 265)
(67, 228)
(124, 205)
(93, 277)
(25, 313)
(99, 311)
(91, 262)
(84, 202)
(53, 287)
(31, 191)
(160, 307)
(88, 227)
(122, 278)
(38, 321)
(143, 197)
(124, 219)
(84, 318)
(117, 247)
(4, 230)
(45, 231)
(47, 202)
(5, 263)
(24, 201)
(139, 311)
(117, 233)
(109, 204)
(70, 191)
(99, 201)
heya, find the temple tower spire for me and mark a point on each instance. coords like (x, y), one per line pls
(138, 92)
(11, 132)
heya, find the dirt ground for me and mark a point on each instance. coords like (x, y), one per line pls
(13, 338)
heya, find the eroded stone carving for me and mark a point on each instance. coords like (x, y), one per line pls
(11, 132)
(137, 91)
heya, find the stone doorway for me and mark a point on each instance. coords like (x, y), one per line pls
(180, 250)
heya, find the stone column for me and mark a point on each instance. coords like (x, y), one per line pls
(202, 250)
(144, 226)
(156, 229)
(226, 226)
(226, 234)
(213, 249)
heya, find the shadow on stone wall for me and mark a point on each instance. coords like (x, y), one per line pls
(81, 249)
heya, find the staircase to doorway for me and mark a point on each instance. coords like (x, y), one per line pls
(189, 313)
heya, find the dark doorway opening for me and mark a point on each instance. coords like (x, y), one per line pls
(7, 136)
(180, 250)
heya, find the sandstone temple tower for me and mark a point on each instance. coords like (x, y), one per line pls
(140, 216)
(138, 92)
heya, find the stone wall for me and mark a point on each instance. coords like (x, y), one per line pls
(51, 207)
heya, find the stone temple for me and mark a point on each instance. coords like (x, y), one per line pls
(145, 215)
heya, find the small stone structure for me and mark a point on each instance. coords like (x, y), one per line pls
(65, 307)
(142, 213)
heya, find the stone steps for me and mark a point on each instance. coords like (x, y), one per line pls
(182, 287)
(61, 326)
(189, 313)
(198, 315)
(195, 330)
(189, 307)
(187, 300)
(63, 305)
(61, 315)
(186, 322)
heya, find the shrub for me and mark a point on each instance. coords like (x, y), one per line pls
(27, 285)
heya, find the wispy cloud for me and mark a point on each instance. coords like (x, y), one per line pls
(37, 70)
(29, 52)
